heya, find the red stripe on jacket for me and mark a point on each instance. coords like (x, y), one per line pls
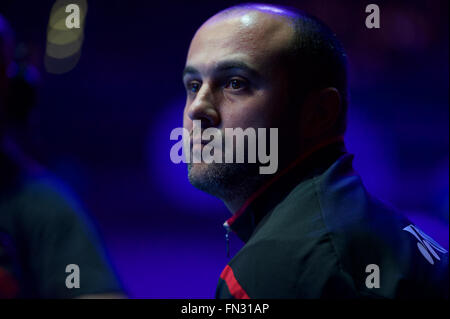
(234, 287)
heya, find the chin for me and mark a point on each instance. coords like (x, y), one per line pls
(202, 177)
(219, 179)
(198, 171)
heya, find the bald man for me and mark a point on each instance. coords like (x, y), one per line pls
(311, 230)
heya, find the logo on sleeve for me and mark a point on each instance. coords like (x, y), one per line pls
(427, 246)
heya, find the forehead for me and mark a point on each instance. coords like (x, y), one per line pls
(252, 36)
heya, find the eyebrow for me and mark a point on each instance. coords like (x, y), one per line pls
(189, 70)
(223, 66)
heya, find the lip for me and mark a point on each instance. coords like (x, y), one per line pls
(202, 143)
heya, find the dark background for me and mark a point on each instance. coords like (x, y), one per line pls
(103, 127)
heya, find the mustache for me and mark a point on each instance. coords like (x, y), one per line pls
(199, 139)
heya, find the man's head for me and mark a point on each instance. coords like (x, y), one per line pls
(18, 81)
(6, 55)
(263, 66)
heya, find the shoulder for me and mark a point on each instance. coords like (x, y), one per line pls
(370, 236)
(41, 201)
(52, 231)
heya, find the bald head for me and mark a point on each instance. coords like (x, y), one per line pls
(256, 66)
(255, 23)
(244, 34)
(6, 44)
(6, 53)
(291, 39)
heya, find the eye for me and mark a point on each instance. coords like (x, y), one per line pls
(236, 84)
(193, 86)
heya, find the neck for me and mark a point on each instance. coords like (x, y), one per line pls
(233, 205)
(252, 187)
(236, 198)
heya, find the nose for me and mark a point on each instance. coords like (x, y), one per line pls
(203, 107)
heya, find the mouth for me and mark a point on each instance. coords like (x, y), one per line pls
(199, 142)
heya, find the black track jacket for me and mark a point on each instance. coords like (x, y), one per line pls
(315, 232)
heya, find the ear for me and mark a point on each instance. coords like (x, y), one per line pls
(320, 111)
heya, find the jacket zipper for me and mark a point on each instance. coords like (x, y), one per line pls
(227, 238)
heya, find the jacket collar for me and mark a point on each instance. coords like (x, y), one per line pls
(309, 164)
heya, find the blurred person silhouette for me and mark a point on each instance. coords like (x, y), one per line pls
(43, 230)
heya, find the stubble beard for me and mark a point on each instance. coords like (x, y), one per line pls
(227, 181)
(231, 182)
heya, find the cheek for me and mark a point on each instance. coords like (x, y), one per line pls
(256, 111)
(187, 122)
